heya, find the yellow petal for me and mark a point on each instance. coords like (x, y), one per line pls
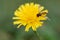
(34, 27)
(17, 13)
(46, 11)
(27, 27)
(31, 4)
(19, 25)
(38, 24)
(22, 7)
(37, 5)
(41, 8)
(24, 23)
(15, 18)
(27, 4)
(42, 18)
(16, 22)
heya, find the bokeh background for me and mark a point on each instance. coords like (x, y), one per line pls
(49, 31)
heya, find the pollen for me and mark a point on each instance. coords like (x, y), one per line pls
(30, 16)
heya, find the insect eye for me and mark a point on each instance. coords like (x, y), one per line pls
(38, 14)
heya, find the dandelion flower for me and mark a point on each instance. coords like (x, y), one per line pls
(30, 15)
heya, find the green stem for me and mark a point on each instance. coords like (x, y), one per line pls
(37, 34)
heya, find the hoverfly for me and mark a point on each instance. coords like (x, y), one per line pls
(40, 14)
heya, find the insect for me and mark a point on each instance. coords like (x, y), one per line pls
(39, 14)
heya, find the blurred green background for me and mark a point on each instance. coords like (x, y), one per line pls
(49, 31)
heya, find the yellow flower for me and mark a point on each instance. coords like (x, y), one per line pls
(30, 15)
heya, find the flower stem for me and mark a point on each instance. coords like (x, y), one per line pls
(37, 34)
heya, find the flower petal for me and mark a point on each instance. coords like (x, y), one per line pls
(42, 18)
(16, 22)
(41, 8)
(15, 18)
(45, 11)
(27, 27)
(17, 13)
(34, 27)
(19, 25)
